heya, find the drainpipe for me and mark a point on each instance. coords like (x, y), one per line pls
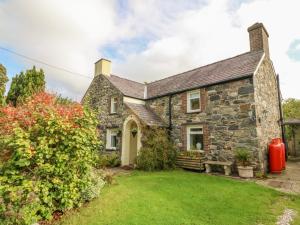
(170, 116)
(281, 116)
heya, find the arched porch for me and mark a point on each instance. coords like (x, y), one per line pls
(131, 140)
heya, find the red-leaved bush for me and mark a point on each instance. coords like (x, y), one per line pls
(47, 150)
(40, 105)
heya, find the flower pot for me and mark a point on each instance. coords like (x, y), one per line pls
(134, 133)
(245, 171)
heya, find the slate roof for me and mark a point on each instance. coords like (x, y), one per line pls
(127, 87)
(145, 114)
(237, 67)
(229, 69)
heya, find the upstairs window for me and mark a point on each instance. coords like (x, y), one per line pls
(195, 138)
(113, 105)
(111, 139)
(193, 102)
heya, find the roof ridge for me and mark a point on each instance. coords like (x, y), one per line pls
(204, 66)
(151, 82)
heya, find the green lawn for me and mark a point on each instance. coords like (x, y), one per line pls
(181, 197)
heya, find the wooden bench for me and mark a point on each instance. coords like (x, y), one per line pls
(226, 165)
(186, 162)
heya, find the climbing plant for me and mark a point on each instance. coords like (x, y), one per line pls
(158, 151)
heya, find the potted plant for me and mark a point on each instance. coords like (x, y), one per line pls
(134, 131)
(243, 159)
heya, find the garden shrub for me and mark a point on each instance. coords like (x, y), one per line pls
(93, 191)
(108, 160)
(108, 177)
(47, 152)
(158, 151)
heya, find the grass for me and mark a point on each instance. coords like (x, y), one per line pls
(180, 197)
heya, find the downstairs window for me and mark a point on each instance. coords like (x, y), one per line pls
(111, 139)
(195, 138)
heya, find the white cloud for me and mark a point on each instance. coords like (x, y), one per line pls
(214, 32)
(194, 38)
(297, 47)
(64, 33)
(183, 34)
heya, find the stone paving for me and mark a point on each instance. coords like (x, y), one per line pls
(288, 181)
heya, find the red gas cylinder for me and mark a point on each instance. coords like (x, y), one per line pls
(275, 156)
(283, 154)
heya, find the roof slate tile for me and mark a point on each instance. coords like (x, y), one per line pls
(240, 66)
(145, 114)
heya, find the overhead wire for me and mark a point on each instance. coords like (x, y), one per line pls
(43, 63)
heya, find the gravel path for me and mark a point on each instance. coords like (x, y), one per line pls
(288, 181)
(287, 217)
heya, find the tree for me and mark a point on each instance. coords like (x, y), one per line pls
(291, 110)
(3, 81)
(24, 85)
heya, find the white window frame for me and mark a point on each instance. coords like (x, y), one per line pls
(189, 98)
(113, 105)
(189, 132)
(109, 134)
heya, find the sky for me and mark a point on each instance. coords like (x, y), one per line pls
(146, 40)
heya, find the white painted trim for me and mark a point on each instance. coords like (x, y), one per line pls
(133, 100)
(126, 138)
(109, 133)
(189, 110)
(188, 130)
(113, 101)
(259, 64)
(145, 92)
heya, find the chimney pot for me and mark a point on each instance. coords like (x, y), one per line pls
(258, 36)
(103, 66)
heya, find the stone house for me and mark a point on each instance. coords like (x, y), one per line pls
(214, 108)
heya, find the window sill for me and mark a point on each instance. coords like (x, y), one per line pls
(110, 149)
(200, 151)
(194, 111)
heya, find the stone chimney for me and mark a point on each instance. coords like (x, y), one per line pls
(103, 66)
(258, 36)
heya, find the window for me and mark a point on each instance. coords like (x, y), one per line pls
(111, 139)
(193, 101)
(195, 138)
(113, 105)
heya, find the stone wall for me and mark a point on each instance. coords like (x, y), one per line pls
(267, 108)
(161, 107)
(98, 97)
(227, 115)
(242, 113)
